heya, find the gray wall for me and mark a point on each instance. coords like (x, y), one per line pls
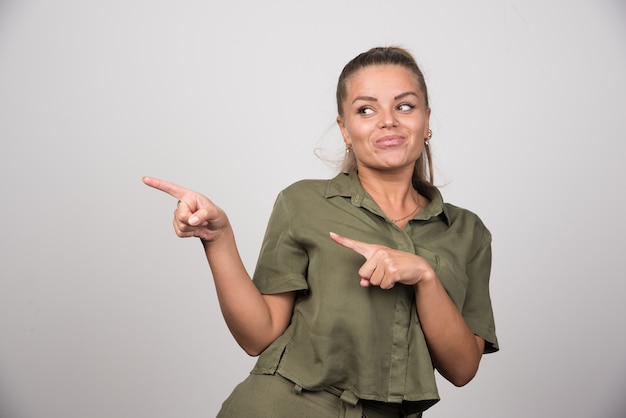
(105, 313)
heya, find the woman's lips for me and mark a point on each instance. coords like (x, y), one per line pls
(390, 141)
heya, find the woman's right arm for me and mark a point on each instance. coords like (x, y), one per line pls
(255, 320)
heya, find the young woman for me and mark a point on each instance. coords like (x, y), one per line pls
(367, 282)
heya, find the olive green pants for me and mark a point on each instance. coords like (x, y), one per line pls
(272, 396)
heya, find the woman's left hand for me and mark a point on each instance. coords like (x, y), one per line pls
(384, 266)
(454, 348)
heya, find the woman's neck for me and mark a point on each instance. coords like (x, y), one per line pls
(390, 189)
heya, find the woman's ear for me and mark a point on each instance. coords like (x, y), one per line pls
(344, 132)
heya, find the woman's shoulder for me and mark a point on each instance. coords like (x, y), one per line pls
(452, 212)
(455, 211)
(308, 183)
(302, 191)
(464, 217)
(306, 187)
(302, 196)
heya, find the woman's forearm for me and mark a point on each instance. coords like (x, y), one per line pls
(455, 350)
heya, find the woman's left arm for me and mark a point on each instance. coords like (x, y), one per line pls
(455, 350)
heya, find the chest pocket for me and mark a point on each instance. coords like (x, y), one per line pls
(452, 276)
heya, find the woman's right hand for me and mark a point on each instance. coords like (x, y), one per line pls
(195, 214)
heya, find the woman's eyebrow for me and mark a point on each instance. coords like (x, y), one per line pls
(366, 98)
(374, 99)
(408, 93)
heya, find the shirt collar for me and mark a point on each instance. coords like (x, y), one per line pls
(348, 185)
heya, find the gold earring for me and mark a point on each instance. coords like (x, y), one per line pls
(348, 148)
(428, 137)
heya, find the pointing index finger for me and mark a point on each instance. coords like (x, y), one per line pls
(172, 189)
(362, 248)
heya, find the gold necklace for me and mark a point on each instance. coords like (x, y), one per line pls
(410, 214)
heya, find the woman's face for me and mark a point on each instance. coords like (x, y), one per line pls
(385, 119)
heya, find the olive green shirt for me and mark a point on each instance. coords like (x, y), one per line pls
(365, 340)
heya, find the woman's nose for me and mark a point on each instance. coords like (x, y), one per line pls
(388, 120)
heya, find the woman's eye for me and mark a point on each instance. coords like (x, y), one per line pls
(365, 111)
(405, 107)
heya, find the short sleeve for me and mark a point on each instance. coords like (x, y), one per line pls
(477, 309)
(282, 262)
